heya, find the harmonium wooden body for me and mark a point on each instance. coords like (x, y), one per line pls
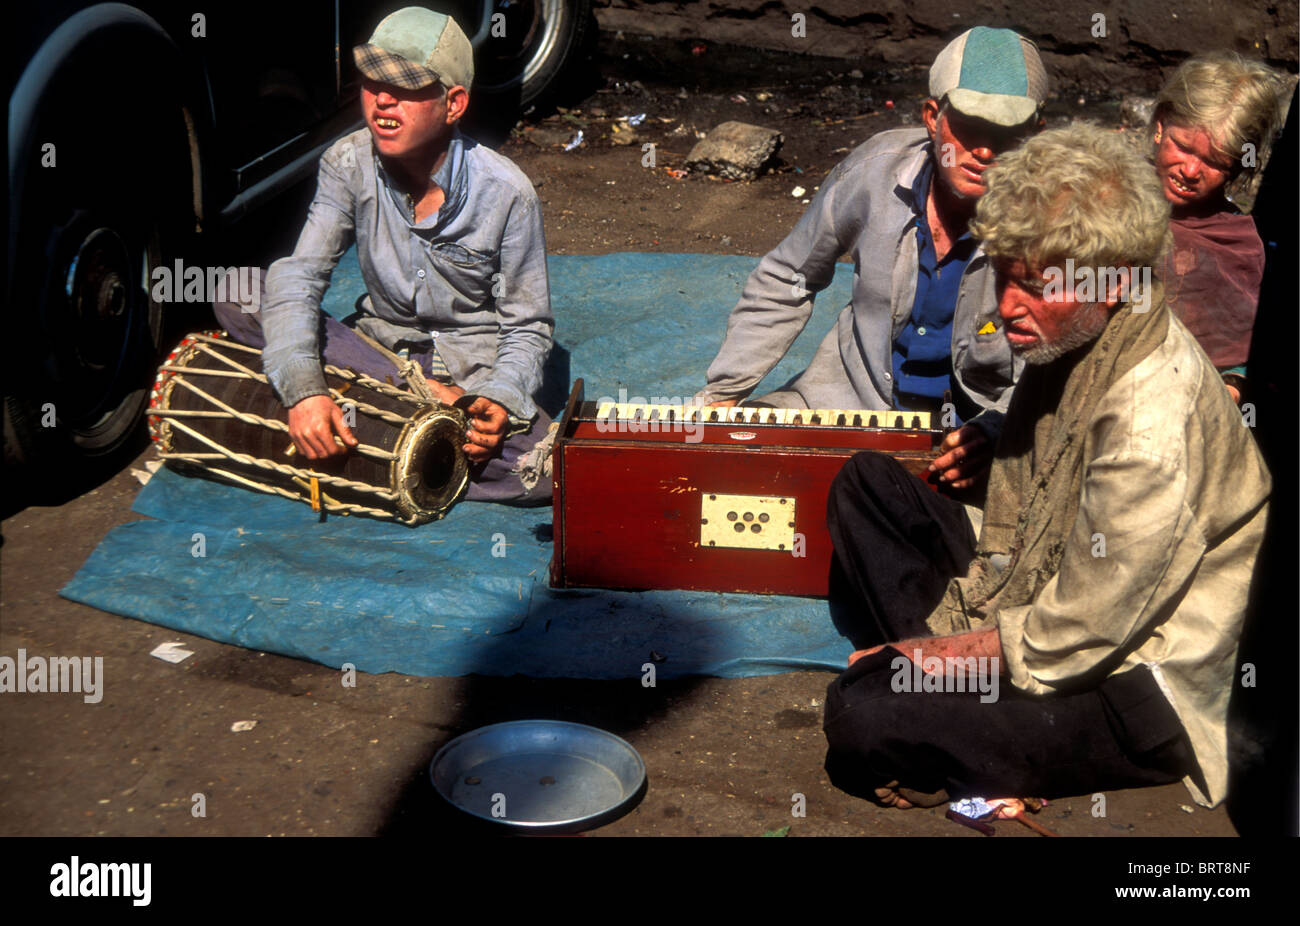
(712, 499)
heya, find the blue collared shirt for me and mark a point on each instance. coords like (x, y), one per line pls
(469, 279)
(922, 355)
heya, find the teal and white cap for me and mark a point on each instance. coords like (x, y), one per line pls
(991, 74)
(414, 48)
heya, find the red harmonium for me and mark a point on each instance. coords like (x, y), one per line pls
(713, 499)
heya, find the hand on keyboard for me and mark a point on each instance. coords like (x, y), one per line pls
(964, 457)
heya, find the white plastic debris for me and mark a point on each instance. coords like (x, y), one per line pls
(242, 726)
(797, 192)
(635, 120)
(972, 807)
(1185, 808)
(577, 140)
(172, 652)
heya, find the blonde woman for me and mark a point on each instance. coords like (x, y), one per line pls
(1212, 122)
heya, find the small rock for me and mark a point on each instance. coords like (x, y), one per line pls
(831, 90)
(1186, 809)
(596, 112)
(623, 134)
(1137, 110)
(726, 241)
(735, 151)
(856, 74)
(762, 96)
(242, 726)
(548, 136)
(797, 192)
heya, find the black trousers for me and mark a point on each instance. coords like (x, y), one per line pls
(897, 543)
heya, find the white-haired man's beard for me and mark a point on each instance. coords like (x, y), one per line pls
(1086, 325)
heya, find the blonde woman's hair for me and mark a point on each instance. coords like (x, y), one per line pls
(1078, 192)
(1236, 101)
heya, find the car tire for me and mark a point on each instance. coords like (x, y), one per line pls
(542, 38)
(85, 330)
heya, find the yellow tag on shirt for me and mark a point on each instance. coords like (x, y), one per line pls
(987, 329)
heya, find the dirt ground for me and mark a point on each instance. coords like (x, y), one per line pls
(725, 757)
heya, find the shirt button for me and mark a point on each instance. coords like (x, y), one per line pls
(420, 274)
(921, 330)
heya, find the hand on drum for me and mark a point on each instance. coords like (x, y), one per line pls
(314, 423)
(487, 429)
(487, 421)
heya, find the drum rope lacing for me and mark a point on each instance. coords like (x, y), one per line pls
(298, 474)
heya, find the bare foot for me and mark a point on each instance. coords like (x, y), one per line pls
(888, 797)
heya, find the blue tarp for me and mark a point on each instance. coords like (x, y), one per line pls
(435, 600)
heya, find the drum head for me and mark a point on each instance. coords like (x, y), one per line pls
(433, 470)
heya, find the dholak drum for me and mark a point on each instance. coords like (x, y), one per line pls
(213, 412)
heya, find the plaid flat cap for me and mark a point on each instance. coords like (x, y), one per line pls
(414, 48)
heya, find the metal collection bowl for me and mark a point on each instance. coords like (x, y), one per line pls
(540, 776)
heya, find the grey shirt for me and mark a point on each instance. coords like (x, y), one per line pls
(469, 279)
(865, 208)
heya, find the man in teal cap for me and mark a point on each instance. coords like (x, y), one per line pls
(923, 323)
(450, 242)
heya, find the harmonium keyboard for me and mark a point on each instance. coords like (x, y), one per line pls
(712, 499)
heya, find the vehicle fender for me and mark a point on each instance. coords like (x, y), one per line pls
(132, 33)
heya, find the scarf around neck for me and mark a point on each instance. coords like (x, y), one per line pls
(1038, 469)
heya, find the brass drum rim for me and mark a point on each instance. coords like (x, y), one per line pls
(410, 443)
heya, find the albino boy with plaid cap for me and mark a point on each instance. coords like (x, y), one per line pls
(922, 324)
(449, 239)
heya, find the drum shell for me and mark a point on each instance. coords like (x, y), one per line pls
(405, 416)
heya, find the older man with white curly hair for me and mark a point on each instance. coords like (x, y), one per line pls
(1125, 510)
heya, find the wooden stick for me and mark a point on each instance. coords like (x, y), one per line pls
(1036, 827)
(964, 820)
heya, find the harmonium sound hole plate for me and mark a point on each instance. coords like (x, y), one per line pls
(749, 522)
